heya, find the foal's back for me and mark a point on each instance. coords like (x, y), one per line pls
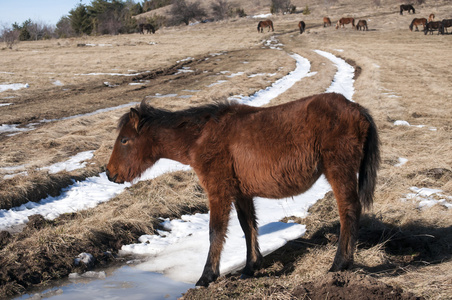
(279, 151)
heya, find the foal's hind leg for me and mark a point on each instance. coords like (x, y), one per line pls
(344, 184)
(247, 217)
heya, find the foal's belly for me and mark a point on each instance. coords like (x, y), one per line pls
(277, 181)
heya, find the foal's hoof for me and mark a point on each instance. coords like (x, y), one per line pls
(206, 280)
(202, 282)
(342, 266)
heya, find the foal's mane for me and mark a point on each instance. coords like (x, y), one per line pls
(150, 116)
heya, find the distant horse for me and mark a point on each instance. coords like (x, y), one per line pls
(344, 21)
(361, 25)
(302, 26)
(240, 152)
(263, 24)
(406, 7)
(326, 21)
(148, 27)
(431, 17)
(416, 22)
(446, 23)
(435, 25)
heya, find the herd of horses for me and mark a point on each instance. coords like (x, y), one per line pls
(428, 25)
(361, 25)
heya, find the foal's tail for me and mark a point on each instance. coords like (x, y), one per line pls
(369, 164)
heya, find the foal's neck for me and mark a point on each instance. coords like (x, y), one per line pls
(177, 142)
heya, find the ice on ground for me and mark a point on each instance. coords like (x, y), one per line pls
(401, 162)
(262, 16)
(427, 197)
(190, 236)
(262, 97)
(13, 86)
(405, 123)
(73, 163)
(343, 79)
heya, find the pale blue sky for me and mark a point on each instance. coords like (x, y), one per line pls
(46, 11)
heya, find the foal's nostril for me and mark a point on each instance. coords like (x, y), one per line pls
(110, 177)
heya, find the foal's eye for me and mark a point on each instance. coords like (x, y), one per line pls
(124, 141)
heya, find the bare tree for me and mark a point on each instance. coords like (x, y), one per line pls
(182, 12)
(280, 6)
(40, 31)
(221, 9)
(10, 37)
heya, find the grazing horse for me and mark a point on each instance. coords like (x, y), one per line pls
(302, 26)
(326, 21)
(344, 21)
(406, 7)
(416, 22)
(431, 17)
(435, 25)
(362, 24)
(446, 23)
(148, 27)
(240, 152)
(263, 24)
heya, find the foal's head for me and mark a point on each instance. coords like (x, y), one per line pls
(133, 151)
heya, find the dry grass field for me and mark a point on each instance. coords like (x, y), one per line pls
(404, 251)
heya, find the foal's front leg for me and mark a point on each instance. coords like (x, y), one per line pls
(220, 208)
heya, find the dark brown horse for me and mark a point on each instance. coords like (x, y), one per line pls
(406, 7)
(326, 21)
(417, 22)
(436, 25)
(361, 25)
(262, 24)
(301, 26)
(240, 152)
(343, 21)
(446, 23)
(148, 27)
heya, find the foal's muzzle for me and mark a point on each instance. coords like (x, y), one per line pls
(111, 178)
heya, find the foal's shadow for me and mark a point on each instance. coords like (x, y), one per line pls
(411, 245)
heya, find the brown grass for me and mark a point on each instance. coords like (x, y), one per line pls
(399, 245)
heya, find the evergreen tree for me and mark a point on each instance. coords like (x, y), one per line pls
(80, 19)
(63, 28)
(24, 33)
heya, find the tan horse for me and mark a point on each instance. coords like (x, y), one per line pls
(326, 21)
(431, 17)
(343, 21)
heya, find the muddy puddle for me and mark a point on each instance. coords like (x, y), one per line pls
(125, 282)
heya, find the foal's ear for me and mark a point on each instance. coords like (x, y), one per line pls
(134, 117)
